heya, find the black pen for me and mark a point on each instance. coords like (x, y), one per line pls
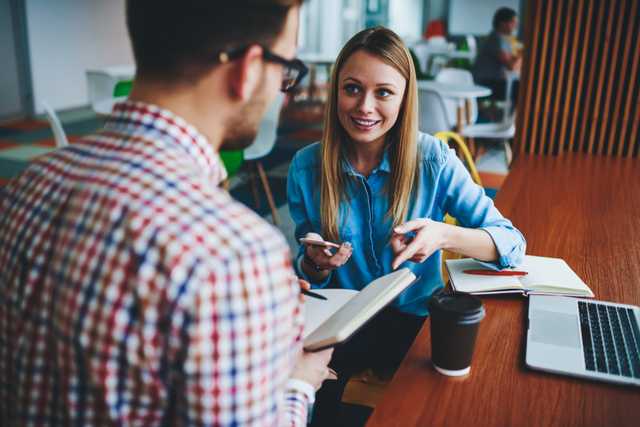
(311, 294)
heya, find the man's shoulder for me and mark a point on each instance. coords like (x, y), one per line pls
(209, 219)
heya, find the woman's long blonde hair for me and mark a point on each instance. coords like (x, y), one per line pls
(402, 146)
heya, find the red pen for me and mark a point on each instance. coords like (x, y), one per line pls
(496, 273)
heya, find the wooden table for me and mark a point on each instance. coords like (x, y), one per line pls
(582, 208)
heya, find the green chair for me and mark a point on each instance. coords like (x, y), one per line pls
(122, 88)
(232, 161)
(416, 64)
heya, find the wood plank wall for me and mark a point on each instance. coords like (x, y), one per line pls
(580, 79)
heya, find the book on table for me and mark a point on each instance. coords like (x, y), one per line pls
(336, 319)
(546, 276)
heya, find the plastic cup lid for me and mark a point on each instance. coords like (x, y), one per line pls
(459, 307)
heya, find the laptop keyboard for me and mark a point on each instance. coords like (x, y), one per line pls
(610, 338)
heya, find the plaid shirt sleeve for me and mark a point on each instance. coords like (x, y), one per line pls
(239, 325)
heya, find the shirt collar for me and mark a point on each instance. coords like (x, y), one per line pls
(147, 119)
(383, 166)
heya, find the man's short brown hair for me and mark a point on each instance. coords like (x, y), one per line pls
(180, 40)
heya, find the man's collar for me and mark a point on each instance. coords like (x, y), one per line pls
(145, 119)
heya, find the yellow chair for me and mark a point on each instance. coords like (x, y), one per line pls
(445, 135)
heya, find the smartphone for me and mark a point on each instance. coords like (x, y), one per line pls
(320, 243)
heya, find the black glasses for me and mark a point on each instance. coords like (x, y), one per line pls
(294, 70)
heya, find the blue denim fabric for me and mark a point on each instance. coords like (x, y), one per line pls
(444, 186)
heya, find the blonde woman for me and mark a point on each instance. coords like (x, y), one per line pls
(381, 189)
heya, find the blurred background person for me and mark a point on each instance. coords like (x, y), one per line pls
(497, 56)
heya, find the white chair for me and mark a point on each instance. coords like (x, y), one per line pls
(472, 46)
(433, 114)
(263, 144)
(101, 82)
(422, 54)
(504, 130)
(56, 127)
(457, 75)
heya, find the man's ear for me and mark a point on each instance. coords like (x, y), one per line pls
(245, 75)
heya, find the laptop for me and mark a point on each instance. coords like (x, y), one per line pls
(584, 338)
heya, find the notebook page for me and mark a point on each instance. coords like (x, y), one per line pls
(549, 274)
(471, 283)
(317, 310)
(358, 310)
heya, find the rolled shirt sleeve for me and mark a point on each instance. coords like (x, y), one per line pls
(466, 201)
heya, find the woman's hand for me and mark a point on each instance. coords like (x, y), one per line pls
(429, 237)
(323, 257)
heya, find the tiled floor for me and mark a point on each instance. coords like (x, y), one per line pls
(23, 142)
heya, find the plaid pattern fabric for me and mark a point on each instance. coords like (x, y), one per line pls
(135, 291)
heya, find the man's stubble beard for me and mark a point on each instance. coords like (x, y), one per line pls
(243, 128)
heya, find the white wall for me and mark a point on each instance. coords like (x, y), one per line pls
(10, 102)
(331, 27)
(326, 25)
(67, 37)
(405, 19)
(474, 17)
(437, 9)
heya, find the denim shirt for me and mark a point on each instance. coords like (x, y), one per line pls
(444, 186)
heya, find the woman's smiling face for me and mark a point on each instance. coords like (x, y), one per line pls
(370, 95)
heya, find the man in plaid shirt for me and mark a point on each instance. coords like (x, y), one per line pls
(135, 291)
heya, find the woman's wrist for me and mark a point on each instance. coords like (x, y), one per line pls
(448, 237)
(310, 262)
(313, 275)
(474, 243)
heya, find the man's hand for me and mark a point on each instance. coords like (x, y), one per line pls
(323, 257)
(303, 285)
(428, 239)
(312, 367)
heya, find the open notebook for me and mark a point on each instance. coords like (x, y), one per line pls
(546, 276)
(344, 312)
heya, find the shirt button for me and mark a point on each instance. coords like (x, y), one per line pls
(521, 247)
